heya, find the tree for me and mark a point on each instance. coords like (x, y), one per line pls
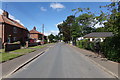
(65, 28)
(51, 38)
(85, 21)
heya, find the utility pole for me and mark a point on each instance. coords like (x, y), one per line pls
(43, 33)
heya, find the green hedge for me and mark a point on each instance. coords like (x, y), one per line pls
(110, 47)
(86, 45)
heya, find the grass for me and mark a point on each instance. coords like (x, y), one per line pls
(2, 50)
(38, 47)
(5, 56)
(8, 56)
(22, 51)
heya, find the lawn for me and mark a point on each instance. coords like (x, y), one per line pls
(5, 56)
(38, 47)
(22, 51)
(2, 50)
(8, 56)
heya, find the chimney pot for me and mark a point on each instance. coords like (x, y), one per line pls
(6, 14)
(34, 28)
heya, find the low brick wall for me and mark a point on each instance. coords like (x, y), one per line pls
(11, 47)
(32, 44)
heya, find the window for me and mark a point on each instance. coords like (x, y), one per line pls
(14, 38)
(9, 40)
(14, 29)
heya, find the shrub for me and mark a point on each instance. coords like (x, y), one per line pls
(82, 43)
(110, 47)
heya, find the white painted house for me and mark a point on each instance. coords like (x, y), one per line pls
(98, 36)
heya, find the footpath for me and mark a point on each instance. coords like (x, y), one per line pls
(111, 67)
(10, 66)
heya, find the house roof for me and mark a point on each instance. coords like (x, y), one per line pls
(6, 20)
(34, 31)
(99, 34)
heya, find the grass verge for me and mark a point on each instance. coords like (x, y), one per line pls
(38, 47)
(5, 56)
(22, 51)
(8, 56)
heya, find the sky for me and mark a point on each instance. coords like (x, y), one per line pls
(50, 14)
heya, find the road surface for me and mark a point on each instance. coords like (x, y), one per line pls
(61, 61)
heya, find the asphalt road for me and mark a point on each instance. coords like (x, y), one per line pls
(61, 61)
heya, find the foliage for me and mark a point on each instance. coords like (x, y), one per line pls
(86, 45)
(108, 49)
(51, 38)
(111, 48)
(74, 27)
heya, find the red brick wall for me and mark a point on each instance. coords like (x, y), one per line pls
(34, 36)
(20, 34)
(11, 47)
(1, 31)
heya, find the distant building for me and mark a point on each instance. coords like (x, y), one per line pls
(11, 30)
(100, 36)
(34, 34)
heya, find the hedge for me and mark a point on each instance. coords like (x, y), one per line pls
(110, 48)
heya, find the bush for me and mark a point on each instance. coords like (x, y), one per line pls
(110, 47)
(82, 43)
(86, 45)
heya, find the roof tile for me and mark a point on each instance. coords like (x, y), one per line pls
(11, 22)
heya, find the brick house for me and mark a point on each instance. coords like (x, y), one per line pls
(34, 34)
(12, 31)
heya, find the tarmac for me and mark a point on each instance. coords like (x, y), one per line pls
(111, 67)
(9, 66)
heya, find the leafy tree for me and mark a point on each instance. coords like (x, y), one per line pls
(65, 28)
(51, 38)
(86, 23)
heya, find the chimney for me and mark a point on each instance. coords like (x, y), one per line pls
(5, 13)
(34, 28)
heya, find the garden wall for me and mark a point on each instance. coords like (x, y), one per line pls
(12, 46)
(32, 44)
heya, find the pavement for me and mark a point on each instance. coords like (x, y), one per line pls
(62, 61)
(111, 67)
(11, 65)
